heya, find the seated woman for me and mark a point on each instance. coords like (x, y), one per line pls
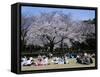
(45, 60)
(39, 61)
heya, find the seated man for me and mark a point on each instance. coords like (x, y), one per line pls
(61, 61)
(29, 62)
(55, 60)
(23, 61)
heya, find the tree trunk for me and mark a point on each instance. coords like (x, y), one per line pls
(22, 43)
(51, 47)
(61, 45)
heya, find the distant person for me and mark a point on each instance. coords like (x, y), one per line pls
(45, 60)
(66, 59)
(50, 55)
(28, 62)
(61, 61)
(55, 60)
(31, 58)
(24, 61)
(85, 59)
(39, 61)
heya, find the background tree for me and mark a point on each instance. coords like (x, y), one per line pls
(55, 29)
(25, 24)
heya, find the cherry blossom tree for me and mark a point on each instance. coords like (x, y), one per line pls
(55, 29)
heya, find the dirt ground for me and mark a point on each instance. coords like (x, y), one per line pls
(72, 64)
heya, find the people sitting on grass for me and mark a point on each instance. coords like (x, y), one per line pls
(84, 58)
(27, 61)
(45, 60)
(41, 61)
(23, 61)
(66, 59)
(55, 60)
(60, 60)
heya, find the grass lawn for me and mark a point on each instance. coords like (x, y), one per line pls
(72, 64)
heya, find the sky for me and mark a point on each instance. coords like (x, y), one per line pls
(77, 14)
